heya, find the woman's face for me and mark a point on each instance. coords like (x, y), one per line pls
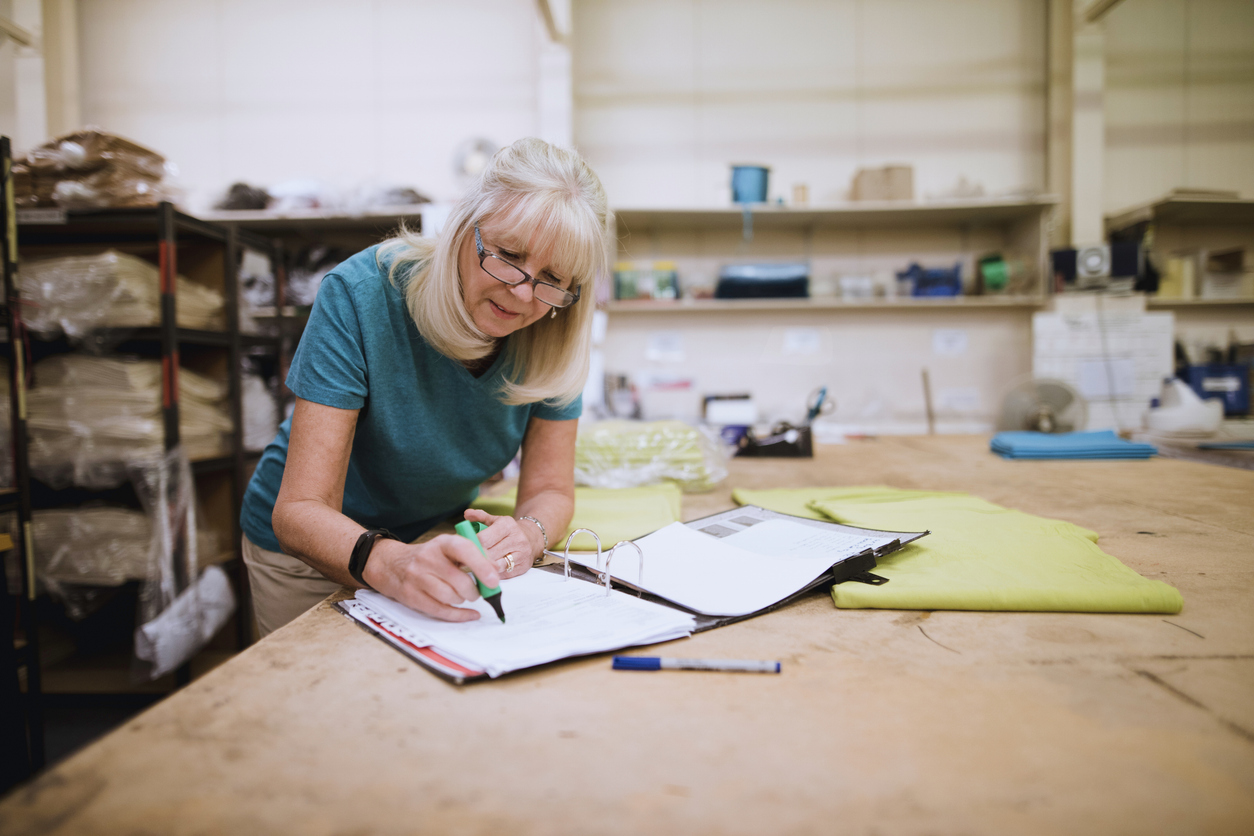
(497, 308)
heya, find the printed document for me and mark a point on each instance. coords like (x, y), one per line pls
(547, 618)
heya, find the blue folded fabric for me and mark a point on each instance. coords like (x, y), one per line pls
(1227, 445)
(1099, 444)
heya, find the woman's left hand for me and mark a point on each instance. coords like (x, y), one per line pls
(507, 536)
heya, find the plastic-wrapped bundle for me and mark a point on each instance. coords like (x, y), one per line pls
(78, 293)
(89, 416)
(101, 546)
(261, 413)
(90, 169)
(626, 454)
(79, 549)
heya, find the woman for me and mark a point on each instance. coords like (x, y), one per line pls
(424, 367)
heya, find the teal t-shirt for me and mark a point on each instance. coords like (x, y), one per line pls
(428, 431)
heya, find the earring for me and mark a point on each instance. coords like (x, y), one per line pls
(554, 314)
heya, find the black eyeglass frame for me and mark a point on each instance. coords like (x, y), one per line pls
(485, 254)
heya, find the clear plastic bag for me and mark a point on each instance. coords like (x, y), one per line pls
(627, 454)
(77, 294)
(89, 416)
(102, 546)
(181, 608)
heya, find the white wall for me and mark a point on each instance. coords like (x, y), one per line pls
(668, 93)
(871, 359)
(1179, 100)
(345, 93)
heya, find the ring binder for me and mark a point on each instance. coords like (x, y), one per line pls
(782, 557)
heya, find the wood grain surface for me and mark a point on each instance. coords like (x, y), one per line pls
(882, 722)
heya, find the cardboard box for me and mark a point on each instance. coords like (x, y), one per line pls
(892, 182)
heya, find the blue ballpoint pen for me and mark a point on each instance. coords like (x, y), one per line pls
(817, 406)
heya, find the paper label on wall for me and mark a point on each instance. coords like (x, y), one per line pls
(802, 341)
(958, 399)
(665, 347)
(1113, 377)
(949, 342)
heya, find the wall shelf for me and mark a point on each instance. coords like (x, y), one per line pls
(381, 219)
(1169, 304)
(1180, 210)
(913, 304)
(894, 213)
(876, 238)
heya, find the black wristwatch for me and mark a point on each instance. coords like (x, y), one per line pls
(361, 552)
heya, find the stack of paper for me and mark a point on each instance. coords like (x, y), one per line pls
(547, 617)
(1099, 444)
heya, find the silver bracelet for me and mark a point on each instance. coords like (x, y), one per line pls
(543, 533)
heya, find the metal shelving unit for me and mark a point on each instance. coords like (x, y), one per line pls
(214, 251)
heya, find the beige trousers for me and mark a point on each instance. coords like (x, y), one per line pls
(282, 586)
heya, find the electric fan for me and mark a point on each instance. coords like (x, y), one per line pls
(1044, 405)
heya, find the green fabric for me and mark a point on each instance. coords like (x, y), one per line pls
(979, 556)
(614, 514)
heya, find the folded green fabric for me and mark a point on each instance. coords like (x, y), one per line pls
(613, 513)
(979, 556)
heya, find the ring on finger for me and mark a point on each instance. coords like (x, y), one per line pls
(509, 562)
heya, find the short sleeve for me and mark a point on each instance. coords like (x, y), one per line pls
(329, 366)
(550, 411)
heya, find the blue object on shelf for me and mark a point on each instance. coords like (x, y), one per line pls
(763, 281)
(748, 183)
(1227, 382)
(932, 281)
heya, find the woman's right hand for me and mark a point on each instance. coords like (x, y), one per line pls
(429, 577)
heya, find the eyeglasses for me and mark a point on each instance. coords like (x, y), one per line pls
(506, 273)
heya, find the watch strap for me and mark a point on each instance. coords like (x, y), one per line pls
(361, 552)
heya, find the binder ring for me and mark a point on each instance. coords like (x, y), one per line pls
(639, 566)
(566, 552)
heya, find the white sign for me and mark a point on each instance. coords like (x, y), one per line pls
(802, 341)
(665, 347)
(949, 342)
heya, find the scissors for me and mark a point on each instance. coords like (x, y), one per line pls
(818, 404)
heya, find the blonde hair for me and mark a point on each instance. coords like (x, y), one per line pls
(540, 190)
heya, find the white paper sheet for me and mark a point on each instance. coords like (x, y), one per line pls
(546, 618)
(735, 575)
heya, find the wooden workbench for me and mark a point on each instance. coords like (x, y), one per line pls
(881, 722)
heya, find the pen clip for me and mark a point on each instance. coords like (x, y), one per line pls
(639, 566)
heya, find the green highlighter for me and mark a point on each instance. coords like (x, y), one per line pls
(470, 530)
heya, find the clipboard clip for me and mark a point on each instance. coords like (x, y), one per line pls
(867, 577)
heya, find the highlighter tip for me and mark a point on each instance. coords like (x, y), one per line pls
(495, 602)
